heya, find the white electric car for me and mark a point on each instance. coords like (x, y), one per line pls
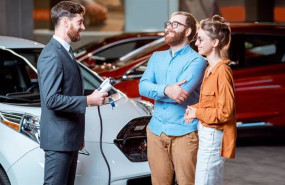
(21, 159)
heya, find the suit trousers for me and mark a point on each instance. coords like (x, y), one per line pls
(60, 167)
(167, 154)
(210, 164)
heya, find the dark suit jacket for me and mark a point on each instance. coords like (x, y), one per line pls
(62, 101)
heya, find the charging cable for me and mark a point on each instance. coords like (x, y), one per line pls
(101, 148)
(106, 85)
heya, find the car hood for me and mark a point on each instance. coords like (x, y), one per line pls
(113, 119)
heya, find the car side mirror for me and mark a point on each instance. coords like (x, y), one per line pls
(131, 76)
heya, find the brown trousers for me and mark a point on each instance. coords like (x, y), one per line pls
(168, 153)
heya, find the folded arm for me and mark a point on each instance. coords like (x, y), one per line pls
(190, 78)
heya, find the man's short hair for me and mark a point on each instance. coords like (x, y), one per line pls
(191, 22)
(65, 9)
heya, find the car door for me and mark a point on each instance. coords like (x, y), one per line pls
(259, 76)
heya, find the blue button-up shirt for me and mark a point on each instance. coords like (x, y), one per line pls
(164, 69)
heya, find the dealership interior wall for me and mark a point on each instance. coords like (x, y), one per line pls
(30, 18)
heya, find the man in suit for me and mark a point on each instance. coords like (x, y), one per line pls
(62, 101)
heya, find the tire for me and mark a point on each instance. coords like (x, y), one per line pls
(3, 177)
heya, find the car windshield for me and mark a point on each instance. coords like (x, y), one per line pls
(111, 52)
(148, 48)
(19, 79)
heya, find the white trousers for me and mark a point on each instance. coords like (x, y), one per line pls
(210, 165)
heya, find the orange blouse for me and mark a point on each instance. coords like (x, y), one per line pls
(216, 107)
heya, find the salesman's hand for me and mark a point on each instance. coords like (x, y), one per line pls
(176, 93)
(96, 98)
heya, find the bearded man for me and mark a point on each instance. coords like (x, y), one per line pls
(173, 78)
(62, 101)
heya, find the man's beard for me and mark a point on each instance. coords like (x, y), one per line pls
(73, 34)
(176, 39)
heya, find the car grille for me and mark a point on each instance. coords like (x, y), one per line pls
(140, 181)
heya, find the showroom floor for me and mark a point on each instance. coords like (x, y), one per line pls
(260, 157)
(256, 165)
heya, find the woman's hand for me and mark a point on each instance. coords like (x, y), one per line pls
(190, 114)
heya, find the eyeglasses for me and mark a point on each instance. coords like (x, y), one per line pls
(173, 24)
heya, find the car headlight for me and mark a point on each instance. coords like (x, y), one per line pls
(132, 140)
(26, 124)
(145, 105)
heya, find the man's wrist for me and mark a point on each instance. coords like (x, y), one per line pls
(88, 104)
(164, 90)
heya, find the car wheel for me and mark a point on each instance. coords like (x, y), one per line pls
(3, 177)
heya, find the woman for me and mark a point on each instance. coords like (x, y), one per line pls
(216, 108)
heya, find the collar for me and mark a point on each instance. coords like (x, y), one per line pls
(62, 42)
(181, 51)
(219, 64)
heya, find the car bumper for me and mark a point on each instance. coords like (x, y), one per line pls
(91, 169)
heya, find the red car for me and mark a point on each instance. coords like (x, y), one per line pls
(100, 54)
(123, 64)
(258, 55)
